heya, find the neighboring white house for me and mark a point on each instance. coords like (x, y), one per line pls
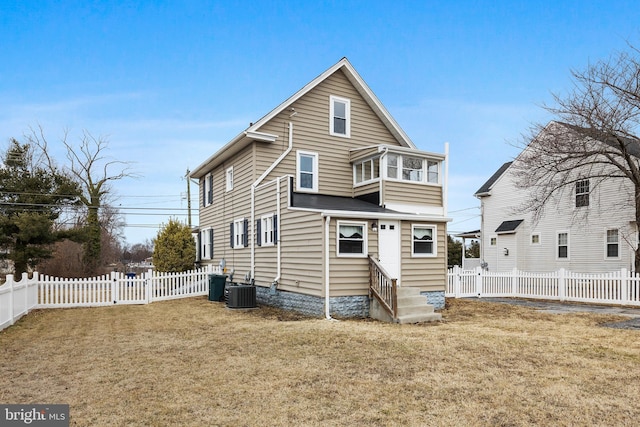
(590, 228)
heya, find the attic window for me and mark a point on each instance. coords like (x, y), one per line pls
(340, 120)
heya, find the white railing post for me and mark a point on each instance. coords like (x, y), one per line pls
(624, 286)
(562, 283)
(456, 280)
(149, 285)
(514, 282)
(479, 281)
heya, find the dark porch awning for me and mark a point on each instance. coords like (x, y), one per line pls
(509, 226)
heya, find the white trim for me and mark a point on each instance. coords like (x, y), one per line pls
(557, 245)
(384, 169)
(434, 241)
(365, 245)
(606, 244)
(539, 242)
(229, 178)
(347, 107)
(315, 172)
(416, 209)
(373, 178)
(268, 221)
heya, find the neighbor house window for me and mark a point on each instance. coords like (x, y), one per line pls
(266, 232)
(230, 179)
(582, 193)
(207, 197)
(206, 244)
(307, 171)
(238, 232)
(563, 245)
(493, 241)
(340, 116)
(423, 240)
(352, 239)
(613, 243)
(366, 170)
(535, 239)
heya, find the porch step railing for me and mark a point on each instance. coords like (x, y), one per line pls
(383, 287)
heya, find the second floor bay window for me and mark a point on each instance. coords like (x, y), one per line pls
(404, 167)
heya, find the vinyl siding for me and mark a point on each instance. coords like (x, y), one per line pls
(609, 207)
(311, 133)
(429, 274)
(411, 193)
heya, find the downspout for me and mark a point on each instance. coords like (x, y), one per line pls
(277, 279)
(327, 308)
(253, 203)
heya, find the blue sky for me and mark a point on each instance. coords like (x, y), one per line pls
(171, 82)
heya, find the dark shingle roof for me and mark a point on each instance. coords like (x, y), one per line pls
(487, 185)
(324, 202)
(509, 226)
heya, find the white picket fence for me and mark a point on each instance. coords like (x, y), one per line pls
(618, 287)
(17, 298)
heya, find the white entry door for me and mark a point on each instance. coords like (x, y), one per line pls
(389, 247)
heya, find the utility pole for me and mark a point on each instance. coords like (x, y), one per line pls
(188, 198)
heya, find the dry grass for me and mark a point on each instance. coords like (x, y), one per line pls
(193, 362)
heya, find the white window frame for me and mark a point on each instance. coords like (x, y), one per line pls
(434, 241)
(369, 164)
(365, 243)
(557, 246)
(315, 172)
(208, 190)
(206, 245)
(347, 106)
(238, 233)
(493, 241)
(607, 243)
(427, 175)
(229, 178)
(267, 230)
(531, 240)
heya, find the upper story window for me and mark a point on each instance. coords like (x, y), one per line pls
(366, 170)
(307, 171)
(410, 168)
(230, 178)
(340, 120)
(207, 197)
(582, 193)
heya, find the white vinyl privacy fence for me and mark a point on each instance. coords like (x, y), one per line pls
(17, 298)
(618, 287)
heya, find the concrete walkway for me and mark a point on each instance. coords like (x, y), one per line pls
(555, 307)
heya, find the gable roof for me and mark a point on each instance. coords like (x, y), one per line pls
(251, 134)
(486, 187)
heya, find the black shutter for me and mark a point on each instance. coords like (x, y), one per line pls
(246, 233)
(259, 232)
(204, 191)
(211, 243)
(231, 237)
(198, 247)
(275, 229)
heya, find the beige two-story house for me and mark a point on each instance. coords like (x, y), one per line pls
(304, 199)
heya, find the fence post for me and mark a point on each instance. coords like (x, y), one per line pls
(514, 282)
(562, 284)
(115, 288)
(456, 281)
(624, 286)
(479, 281)
(9, 281)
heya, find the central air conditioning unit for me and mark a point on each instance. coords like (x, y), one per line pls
(241, 296)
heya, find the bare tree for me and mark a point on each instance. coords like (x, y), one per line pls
(88, 164)
(594, 136)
